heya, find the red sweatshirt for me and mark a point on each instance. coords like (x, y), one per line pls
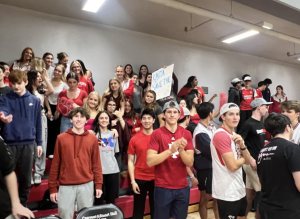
(76, 161)
(274, 107)
(136, 124)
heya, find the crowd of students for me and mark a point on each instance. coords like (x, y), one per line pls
(167, 147)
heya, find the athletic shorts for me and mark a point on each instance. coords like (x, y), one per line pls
(252, 180)
(171, 203)
(205, 180)
(228, 209)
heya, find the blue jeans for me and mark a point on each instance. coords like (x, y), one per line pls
(171, 203)
(65, 124)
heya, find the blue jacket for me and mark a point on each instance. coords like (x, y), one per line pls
(26, 125)
(267, 94)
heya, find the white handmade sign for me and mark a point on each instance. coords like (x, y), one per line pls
(162, 82)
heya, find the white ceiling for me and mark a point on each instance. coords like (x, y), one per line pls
(151, 18)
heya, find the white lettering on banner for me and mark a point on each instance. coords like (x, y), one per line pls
(162, 82)
(101, 216)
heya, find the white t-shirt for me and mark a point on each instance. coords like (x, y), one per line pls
(50, 71)
(41, 97)
(56, 90)
(296, 134)
(17, 66)
(226, 185)
(201, 128)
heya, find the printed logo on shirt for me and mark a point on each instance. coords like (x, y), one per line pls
(82, 84)
(106, 144)
(30, 104)
(173, 139)
(174, 155)
(261, 131)
(265, 155)
(231, 217)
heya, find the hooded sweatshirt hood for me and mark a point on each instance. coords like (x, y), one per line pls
(78, 140)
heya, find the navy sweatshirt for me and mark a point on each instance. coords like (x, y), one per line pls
(26, 124)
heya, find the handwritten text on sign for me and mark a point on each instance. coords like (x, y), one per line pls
(162, 82)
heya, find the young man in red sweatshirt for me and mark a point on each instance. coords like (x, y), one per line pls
(76, 167)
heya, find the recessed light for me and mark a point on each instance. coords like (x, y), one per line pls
(239, 36)
(92, 5)
(266, 25)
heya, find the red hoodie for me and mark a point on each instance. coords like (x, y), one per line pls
(76, 161)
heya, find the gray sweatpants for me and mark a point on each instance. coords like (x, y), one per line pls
(40, 162)
(67, 196)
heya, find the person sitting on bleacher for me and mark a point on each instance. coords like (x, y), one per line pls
(76, 167)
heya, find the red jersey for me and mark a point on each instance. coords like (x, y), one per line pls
(171, 173)
(138, 146)
(85, 84)
(258, 94)
(247, 98)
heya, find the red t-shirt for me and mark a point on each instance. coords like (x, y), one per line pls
(195, 118)
(247, 98)
(85, 84)
(138, 146)
(79, 100)
(171, 173)
(258, 94)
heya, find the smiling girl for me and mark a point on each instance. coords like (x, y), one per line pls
(132, 117)
(149, 102)
(108, 147)
(35, 80)
(125, 81)
(94, 106)
(24, 62)
(58, 82)
(48, 59)
(84, 82)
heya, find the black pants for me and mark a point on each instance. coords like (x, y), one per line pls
(110, 189)
(140, 199)
(23, 157)
(53, 131)
(244, 115)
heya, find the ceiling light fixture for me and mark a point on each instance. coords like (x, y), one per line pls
(92, 5)
(239, 36)
(266, 25)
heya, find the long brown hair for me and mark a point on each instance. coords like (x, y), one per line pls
(153, 104)
(132, 115)
(120, 91)
(23, 53)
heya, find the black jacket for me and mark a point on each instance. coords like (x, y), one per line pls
(234, 96)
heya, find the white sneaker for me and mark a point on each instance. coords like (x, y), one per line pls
(50, 156)
(37, 179)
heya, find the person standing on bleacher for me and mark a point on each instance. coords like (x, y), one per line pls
(171, 150)
(22, 131)
(76, 167)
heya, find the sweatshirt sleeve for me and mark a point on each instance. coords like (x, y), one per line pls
(129, 91)
(55, 166)
(38, 125)
(90, 84)
(271, 106)
(3, 106)
(96, 166)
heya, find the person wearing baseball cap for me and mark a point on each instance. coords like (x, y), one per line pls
(170, 150)
(234, 92)
(254, 134)
(247, 96)
(229, 153)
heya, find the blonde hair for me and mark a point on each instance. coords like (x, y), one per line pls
(62, 77)
(99, 106)
(153, 104)
(120, 91)
(76, 62)
(125, 76)
(38, 64)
